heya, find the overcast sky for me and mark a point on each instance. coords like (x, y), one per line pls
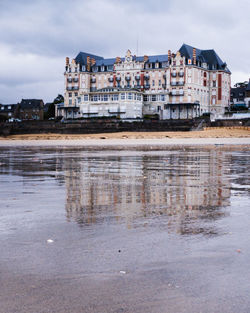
(36, 36)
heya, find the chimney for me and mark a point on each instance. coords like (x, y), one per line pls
(67, 61)
(169, 55)
(145, 59)
(73, 61)
(194, 56)
(93, 61)
(118, 60)
(88, 63)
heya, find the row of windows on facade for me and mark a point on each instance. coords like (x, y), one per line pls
(116, 97)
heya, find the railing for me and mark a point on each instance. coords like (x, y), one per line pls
(75, 80)
(176, 93)
(173, 74)
(173, 84)
(181, 74)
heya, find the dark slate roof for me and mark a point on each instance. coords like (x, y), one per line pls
(235, 92)
(106, 62)
(82, 57)
(208, 56)
(31, 103)
(248, 86)
(204, 56)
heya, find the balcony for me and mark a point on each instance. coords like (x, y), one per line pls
(176, 93)
(181, 83)
(173, 74)
(181, 74)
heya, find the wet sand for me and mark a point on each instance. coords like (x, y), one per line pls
(132, 232)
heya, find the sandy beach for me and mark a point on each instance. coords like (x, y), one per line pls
(209, 136)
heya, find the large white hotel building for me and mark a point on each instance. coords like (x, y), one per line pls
(180, 85)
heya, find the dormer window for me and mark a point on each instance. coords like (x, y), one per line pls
(156, 65)
(102, 68)
(84, 68)
(95, 68)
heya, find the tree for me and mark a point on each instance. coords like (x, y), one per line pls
(58, 99)
(241, 85)
(51, 109)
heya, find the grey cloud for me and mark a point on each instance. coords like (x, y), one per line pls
(37, 35)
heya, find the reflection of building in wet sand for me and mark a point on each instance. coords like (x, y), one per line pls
(193, 183)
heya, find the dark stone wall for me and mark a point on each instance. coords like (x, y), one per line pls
(104, 126)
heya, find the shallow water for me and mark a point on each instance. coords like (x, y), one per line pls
(132, 231)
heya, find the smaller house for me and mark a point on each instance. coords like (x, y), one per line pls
(240, 96)
(7, 111)
(30, 109)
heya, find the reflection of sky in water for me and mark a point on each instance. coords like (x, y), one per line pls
(183, 191)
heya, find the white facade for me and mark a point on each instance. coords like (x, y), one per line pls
(171, 86)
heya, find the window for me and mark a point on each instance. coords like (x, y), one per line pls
(95, 98)
(2, 108)
(130, 97)
(159, 82)
(214, 83)
(70, 101)
(86, 97)
(110, 67)
(156, 65)
(123, 96)
(70, 94)
(145, 98)
(153, 97)
(83, 68)
(102, 68)
(162, 97)
(79, 99)
(76, 94)
(105, 97)
(139, 97)
(153, 82)
(115, 97)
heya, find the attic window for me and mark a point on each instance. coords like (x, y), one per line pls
(102, 68)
